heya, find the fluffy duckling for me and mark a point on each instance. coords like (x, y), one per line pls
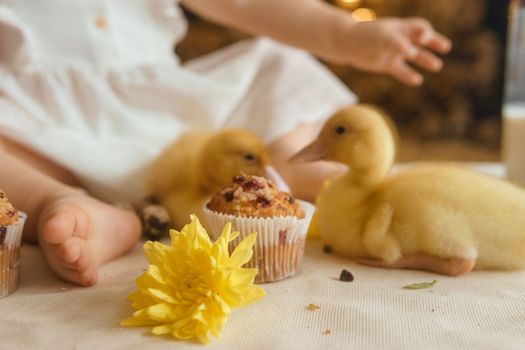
(192, 168)
(433, 217)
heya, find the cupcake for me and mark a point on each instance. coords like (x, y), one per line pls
(11, 225)
(255, 204)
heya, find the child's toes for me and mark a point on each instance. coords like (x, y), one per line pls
(77, 277)
(83, 263)
(69, 251)
(58, 228)
(88, 277)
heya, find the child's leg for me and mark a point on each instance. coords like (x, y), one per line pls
(305, 180)
(76, 233)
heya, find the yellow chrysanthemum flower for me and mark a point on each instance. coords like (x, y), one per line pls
(191, 286)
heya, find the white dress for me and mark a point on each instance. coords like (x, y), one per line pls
(95, 86)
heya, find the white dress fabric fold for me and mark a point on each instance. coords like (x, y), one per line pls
(94, 85)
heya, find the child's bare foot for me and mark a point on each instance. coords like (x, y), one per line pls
(78, 233)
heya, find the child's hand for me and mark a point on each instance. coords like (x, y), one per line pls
(382, 46)
(388, 45)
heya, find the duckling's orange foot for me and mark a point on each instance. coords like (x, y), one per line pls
(420, 261)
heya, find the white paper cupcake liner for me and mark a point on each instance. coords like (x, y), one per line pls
(10, 242)
(279, 248)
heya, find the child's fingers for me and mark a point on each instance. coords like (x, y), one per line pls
(428, 61)
(419, 30)
(404, 47)
(422, 33)
(439, 43)
(404, 73)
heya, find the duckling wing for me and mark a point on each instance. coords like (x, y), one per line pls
(181, 204)
(377, 237)
(176, 167)
(453, 212)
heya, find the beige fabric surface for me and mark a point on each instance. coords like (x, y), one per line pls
(482, 310)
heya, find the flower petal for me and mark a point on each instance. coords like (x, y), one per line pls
(233, 235)
(161, 296)
(203, 338)
(226, 232)
(225, 308)
(243, 252)
(139, 300)
(161, 330)
(159, 312)
(139, 318)
(155, 273)
(152, 277)
(220, 251)
(155, 252)
(242, 277)
(199, 235)
(255, 293)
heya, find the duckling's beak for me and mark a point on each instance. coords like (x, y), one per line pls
(311, 153)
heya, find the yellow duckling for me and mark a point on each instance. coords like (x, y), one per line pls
(433, 217)
(192, 168)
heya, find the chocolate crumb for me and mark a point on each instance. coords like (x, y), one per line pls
(228, 196)
(291, 199)
(327, 249)
(346, 276)
(327, 331)
(248, 185)
(252, 185)
(239, 178)
(263, 201)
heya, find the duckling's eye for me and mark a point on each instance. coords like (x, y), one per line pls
(249, 157)
(340, 130)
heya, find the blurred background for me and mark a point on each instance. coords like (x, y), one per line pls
(456, 114)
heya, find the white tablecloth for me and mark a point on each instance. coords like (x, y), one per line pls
(482, 310)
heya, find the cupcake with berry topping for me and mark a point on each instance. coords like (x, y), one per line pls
(255, 204)
(11, 225)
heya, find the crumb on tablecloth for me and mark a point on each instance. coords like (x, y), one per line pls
(346, 276)
(313, 307)
(327, 249)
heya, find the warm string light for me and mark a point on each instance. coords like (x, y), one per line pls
(348, 4)
(364, 15)
(359, 12)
